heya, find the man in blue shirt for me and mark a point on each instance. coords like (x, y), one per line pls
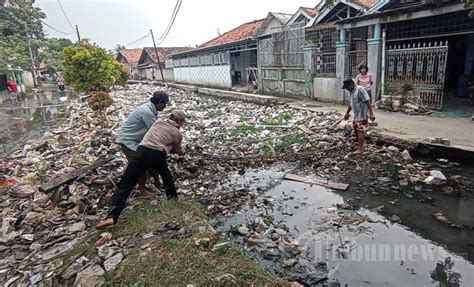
(359, 102)
(135, 127)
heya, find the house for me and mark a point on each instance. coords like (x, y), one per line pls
(426, 44)
(149, 64)
(130, 57)
(281, 62)
(223, 62)
(327, 55)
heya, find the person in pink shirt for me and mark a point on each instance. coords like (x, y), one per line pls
(364, 79)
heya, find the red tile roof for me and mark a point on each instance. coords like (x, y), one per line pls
(131, 55)
(240, 33)
(366, 3)
(313, 12)
(164, 52)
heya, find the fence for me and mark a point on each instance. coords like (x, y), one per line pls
(324, 64)
(421, 65)
(284, 49)
(324, 59)
(353, 60)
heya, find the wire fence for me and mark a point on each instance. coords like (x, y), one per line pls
(283, 49)
(324, 38)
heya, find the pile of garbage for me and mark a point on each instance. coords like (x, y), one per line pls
(76, 166)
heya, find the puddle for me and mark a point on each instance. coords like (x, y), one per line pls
(366, 250)
(19, 122)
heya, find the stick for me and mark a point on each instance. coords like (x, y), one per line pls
(52, 185)
(329, 184)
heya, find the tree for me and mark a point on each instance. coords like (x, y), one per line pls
(52, 53)
(19, 20)
(89, 68)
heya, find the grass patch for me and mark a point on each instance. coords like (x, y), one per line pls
(180, 262)
(281, 118)
(245, 129)
(215, 114)
(172, 262)
(278, 146)
(145, 217)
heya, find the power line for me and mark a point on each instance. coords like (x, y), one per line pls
(65, 15)
(173, 15)
(170, 25)
(138, 40)
(65, 33)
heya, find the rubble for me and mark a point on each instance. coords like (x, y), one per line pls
(436, 177)
(50, 196)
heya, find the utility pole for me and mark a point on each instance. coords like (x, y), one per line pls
(30, 52)
(78, 35)
(32, 61)
(157, 56)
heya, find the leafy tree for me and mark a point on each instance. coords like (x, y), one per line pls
(89, 68)
(52, 53)
(19, 20)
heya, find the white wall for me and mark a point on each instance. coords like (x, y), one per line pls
(212, 76)
(148, 74)
(327, 89)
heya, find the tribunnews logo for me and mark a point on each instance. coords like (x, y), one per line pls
(347, 249)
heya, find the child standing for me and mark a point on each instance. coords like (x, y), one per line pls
(364, 79)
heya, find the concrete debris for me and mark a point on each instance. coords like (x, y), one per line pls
(91, 276)
(436, 177)
(112, 263)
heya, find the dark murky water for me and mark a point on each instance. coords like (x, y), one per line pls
(375, 252)
(34, 114)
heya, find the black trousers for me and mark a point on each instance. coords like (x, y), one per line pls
(144, 159)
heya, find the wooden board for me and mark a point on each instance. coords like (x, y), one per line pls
(328, 184)
(55, 183)
(306, 130)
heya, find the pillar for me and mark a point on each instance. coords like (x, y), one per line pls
(342, 46)
(308, 52)
(374, 57)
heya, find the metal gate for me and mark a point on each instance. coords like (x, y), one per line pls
(422, 65)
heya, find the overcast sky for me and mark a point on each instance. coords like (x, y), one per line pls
(111, 22)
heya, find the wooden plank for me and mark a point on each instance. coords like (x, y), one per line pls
(324, 183)
(305, 130)
(55, 183)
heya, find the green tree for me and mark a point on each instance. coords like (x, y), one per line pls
(19, 20)
(52, 53)
(89, 68)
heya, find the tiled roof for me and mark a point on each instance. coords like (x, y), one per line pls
(131, 55)
(165, 52)
(313, 12)
(366, 3)
(240, 33)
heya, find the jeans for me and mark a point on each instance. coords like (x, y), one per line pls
(143, 159)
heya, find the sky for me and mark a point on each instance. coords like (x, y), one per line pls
(112, 22)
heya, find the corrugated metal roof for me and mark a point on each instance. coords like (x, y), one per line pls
(282, 17)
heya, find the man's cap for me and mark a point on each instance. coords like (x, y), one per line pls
(160, 96)
(178, 115)
(347, 82)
